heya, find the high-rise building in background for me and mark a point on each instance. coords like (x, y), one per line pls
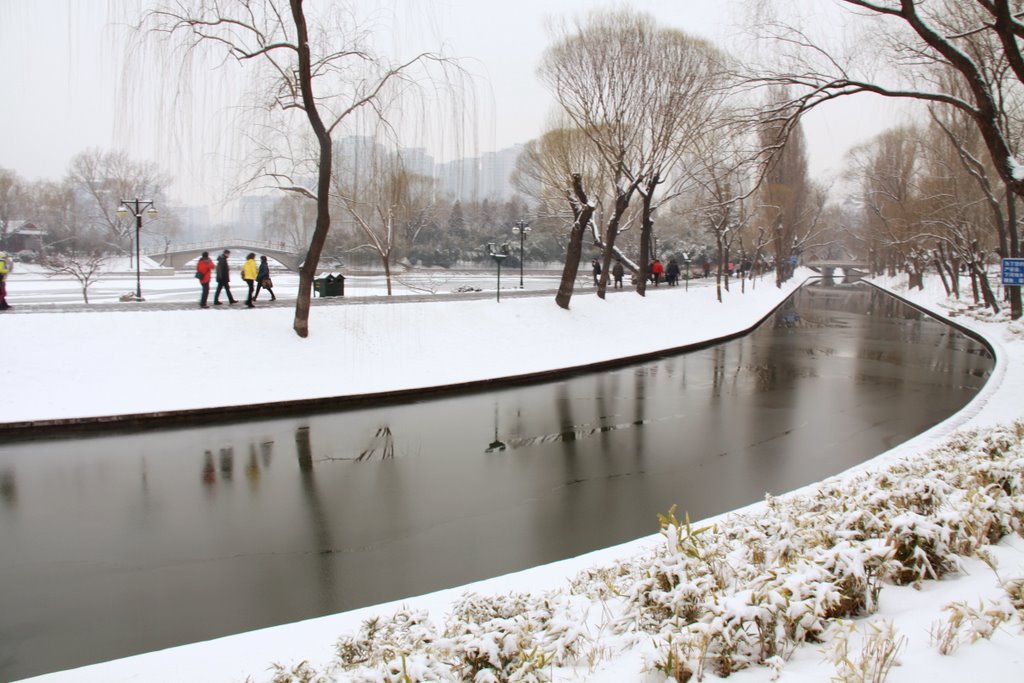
(358, 158)
(468, 179)
(251, 210)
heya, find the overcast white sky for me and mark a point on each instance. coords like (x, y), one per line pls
(60, 73)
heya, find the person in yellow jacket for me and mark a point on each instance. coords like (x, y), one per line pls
(5, 268)
(249, 272)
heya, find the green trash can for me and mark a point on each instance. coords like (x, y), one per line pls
(333, 285)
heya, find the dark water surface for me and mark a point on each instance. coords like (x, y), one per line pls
(111, 546)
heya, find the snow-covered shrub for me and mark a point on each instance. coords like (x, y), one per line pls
(392, 650)
(1015, 592)
(879, 647)
(922, 548)
(499, 639)
(969, 624)
(303, 672)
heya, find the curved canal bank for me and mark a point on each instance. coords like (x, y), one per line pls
(575, 447)
(90, 372)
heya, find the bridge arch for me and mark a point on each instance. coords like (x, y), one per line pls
(176, 256)
(828, 266)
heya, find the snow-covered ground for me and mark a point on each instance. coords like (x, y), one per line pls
(351, 350)
(754, 579)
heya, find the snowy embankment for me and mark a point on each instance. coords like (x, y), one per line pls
(101, 364)
(913, 561)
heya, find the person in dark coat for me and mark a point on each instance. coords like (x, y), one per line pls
(223, 279)
(617, 272)
(595, 266)
(672, 273)
(204, 269)
(263, 280)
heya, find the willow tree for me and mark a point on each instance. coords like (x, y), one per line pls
(320, 67)
(785, 194)
(559, 167)
(641, 93)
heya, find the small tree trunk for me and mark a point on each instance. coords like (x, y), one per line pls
(1011, 222)
(323, 214)
(973, 269)
(720, 268)
(986, 291)
(621, 204)
(583, 212)
(939, 266)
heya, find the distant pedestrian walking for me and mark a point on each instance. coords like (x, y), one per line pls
(6, 266)
(617, 272)
(249, 272)
(657, 270)
(204, 270)
(223, 279)
(595, 266)
(706, 268)
(263, 280)
(672, 273)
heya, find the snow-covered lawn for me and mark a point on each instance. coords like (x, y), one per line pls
(351, 350)
(914, 559)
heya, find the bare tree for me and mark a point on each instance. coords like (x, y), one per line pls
(892, 176)
(82, 262)
(12, 202)
(963, 54)
(639, 93)
(964, 202)
(103, 179)
(725, 171)
(290, 220)
(56, 211)
(326, 71)
(784, 194)
(389, 210)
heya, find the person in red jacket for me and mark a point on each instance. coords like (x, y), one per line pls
(656, 270)
(204, 268)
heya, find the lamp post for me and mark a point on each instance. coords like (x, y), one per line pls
(686, 265)
(135, 207)
(521, 228)
(498, 255)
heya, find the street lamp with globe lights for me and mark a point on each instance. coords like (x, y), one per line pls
(521, 228)
(135, 207)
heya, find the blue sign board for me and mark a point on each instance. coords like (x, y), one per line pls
(1013, 271)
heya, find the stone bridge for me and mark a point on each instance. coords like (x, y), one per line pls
(827, 267)
(176, 256)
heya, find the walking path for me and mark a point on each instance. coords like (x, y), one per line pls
(289, 302)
